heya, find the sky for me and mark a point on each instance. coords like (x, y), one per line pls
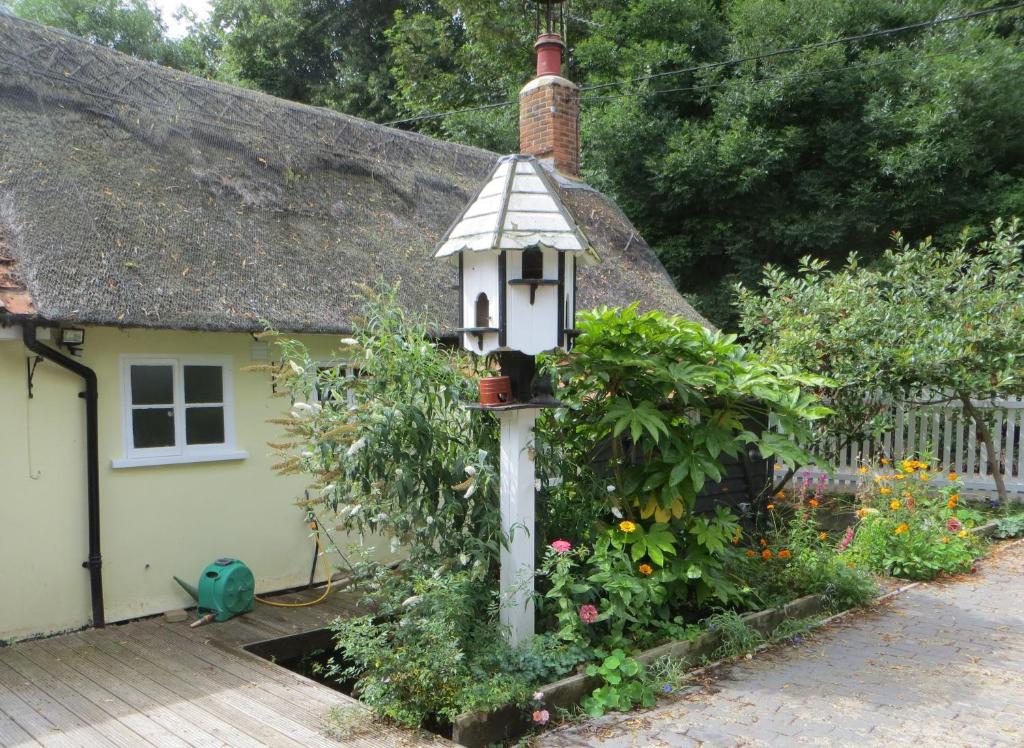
(177, 29)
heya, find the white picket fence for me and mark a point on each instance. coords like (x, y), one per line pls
(948, 435)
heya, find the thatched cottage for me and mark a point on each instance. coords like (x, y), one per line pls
(150, 222)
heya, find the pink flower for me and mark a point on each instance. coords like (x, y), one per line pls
(588, 613)
(561, 546)
(847, 539)
(541, 716)
(954, 525)
(538, 696)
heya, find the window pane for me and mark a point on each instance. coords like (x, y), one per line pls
(204, 425)
(153, 427)
(152, 385)
(204, 384)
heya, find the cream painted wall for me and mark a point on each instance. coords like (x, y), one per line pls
(155, 521)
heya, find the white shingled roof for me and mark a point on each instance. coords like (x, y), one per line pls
(518, 208)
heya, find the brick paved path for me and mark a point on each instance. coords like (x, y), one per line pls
(940, 665)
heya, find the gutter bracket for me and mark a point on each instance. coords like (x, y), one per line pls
(30, 366)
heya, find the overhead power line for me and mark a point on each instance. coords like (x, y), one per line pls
(813, 46)
(734, 61)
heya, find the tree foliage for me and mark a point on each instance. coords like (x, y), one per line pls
(924, 323)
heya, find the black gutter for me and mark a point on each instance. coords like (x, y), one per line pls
(95, 562)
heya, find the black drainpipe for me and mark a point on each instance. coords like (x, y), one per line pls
(94, 563)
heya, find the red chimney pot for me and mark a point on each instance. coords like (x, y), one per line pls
(549, 54)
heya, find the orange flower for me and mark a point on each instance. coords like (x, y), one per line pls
(763, 542)
(885, 490)
(952, 475)
(735, 539)
(645, 569)
(784, 553)
(766, 554)
(951, 504)
(813, 503)
(771, 507)
(780, 495)
(901, 528)
(924, 476)
(822, 536)
(751, 554)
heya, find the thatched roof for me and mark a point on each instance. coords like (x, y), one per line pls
(136, 195)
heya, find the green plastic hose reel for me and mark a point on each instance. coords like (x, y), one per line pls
(226, 589)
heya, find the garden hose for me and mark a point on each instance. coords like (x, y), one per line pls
(330, 580)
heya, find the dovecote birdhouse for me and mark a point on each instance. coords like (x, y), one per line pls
(518, 250)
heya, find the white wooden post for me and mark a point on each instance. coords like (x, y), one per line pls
(517, 523)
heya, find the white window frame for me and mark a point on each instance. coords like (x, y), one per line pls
(180, 453)
(349, 373)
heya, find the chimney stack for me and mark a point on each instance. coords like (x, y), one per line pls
(549, 108)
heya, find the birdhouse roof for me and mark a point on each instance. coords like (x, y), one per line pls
(517, 208)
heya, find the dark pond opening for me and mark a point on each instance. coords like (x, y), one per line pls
(308, 653)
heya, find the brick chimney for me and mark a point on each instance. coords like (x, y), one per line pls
(549, 108)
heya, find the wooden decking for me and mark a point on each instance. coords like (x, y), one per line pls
(156, 683)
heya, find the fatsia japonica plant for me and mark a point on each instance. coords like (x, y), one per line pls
(655, 402)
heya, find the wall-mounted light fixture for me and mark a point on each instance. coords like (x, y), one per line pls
(72, 338)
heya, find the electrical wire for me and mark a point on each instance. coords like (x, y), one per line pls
(812, 46)
(735, 61)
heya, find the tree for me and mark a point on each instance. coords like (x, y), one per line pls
(326, 53)
(728, 168)
(130, 26)
(924, 324)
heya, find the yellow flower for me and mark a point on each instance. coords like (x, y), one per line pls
(627, 526)
(901, 528)
(945, 538)
(862, 469)
(645, 569)
(885, 490)
(894, 505)
(822, 536)
(886, 460)
(866, 511)
(900, 476)
(962, 534)
(924, 476)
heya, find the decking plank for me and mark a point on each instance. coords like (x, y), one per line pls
(62, 719)
(90, 713)
(31, 721)
(147, 696)
(300, 724)
(235, 727)
(12, 735)
(44, 656)
(218, 701)
(247, 666)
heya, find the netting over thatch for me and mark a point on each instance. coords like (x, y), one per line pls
(143, 196)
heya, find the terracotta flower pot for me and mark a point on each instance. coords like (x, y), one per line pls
(495, 391)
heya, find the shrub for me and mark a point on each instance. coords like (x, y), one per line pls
(910, 529)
